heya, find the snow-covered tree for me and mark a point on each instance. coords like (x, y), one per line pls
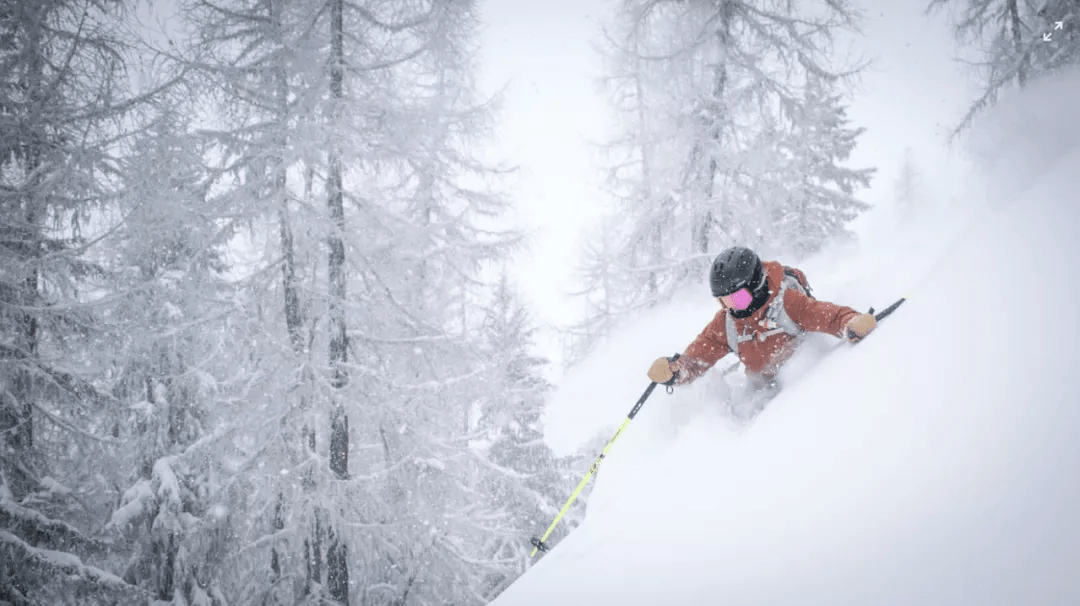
(250, 352)
(343, 135)
(263, 66)
(815, 194)
(66, 111)
(732, 132)
(602, 281)
(169, 312)
(527, 479)
(1018, 40)
(908, 192)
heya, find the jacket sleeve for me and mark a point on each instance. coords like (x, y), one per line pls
(817, 316)
(704, 351)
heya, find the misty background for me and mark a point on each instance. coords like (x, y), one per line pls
(297, 295)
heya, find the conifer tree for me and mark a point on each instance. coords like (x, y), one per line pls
(733, 133)
(528, 481)
(67, 111)
(352, 128)
(169, 266)
(908, 191)
(1018, 41)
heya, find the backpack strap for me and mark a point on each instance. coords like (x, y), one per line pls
(777, 316)
(733, 336)
(779, 320)
(800, 277)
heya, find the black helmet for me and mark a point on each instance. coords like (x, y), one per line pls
(735, 268)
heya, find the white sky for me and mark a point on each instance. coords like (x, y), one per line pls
(544, 52)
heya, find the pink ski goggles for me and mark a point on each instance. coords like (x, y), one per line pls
(740, 299)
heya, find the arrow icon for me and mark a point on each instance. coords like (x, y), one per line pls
(1059, 24)
(1046, 37)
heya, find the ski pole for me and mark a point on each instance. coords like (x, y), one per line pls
(539, 544)
(888, 310)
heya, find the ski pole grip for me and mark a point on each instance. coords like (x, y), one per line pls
(851, 333)
(674, 376)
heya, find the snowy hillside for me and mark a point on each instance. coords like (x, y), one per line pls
(936, 463)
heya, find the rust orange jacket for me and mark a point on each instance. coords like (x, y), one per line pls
(762, 357)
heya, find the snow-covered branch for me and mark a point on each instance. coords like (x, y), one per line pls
(58, 575)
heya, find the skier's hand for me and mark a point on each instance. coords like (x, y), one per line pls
(663, 371)
(859, 326)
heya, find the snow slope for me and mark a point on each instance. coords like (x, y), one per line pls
(936, 463)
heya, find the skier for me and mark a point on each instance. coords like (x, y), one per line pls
(765, 309)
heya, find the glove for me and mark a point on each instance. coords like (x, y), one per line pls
(664, 371)
(859, 326)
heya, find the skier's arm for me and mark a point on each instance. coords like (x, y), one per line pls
(703, 352)
(817, 316)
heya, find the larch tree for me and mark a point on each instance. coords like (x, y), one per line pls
(249, 349)
(526, 478)
(243, 63)
(337, 549)
(908, 192)
(815, 193)
(171, 307)
(66, 114)
(732, 132)
(1018, 40)
(350, 128)
(428, 216)
(276, 71)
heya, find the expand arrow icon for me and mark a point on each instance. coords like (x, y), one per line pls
(1046, 37)
(1059, 24)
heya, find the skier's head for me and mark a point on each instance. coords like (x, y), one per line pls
(738, 280)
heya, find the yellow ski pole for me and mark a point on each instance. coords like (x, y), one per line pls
(539, 544)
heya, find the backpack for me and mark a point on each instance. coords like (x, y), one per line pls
(775, 313)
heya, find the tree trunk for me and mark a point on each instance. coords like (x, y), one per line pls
(705, 222)
(339, 440)
(278, 524)
(337, 564)
(337, 579)
(1013, 12)
(648, 190)
(313, 555)
(164, 552)
(16, 413)
(293, 310)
